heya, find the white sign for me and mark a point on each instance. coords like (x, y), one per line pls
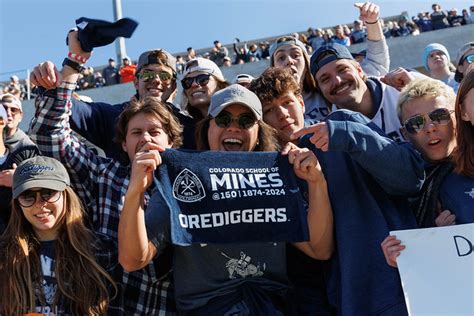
(437, 270)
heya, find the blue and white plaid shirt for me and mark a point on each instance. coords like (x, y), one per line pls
(101, 183)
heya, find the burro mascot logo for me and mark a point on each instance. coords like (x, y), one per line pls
(187, 187)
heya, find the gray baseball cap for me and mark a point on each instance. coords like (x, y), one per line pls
(156, 56)
(235, 94)
(39, 172)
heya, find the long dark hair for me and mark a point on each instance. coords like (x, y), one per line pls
(80, 279)
(463, 155)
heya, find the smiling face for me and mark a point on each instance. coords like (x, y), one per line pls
(291, 57)
(155, 87)
(285, 114)
(233, 137)
(44, 216)
(144, 128)
(199, 96)
(341, 83)
(435, 141)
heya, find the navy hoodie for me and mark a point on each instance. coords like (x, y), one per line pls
(369, 177)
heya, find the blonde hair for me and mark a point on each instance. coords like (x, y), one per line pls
(425, 87)
(80, 279)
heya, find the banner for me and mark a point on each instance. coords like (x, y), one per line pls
(224, 197)
(437, 270)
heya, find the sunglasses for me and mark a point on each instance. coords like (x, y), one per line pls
(201, 80)
(148, 75)
(28, 198)
(416, 123)
(225, 119)
(468, 58)
(13, 110)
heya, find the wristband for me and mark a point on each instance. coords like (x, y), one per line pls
(377, 21)
(74, 65)
(76, 57)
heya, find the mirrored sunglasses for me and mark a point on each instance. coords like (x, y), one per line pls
(148, 75)
(469, 59)
(28, 198)
(416, 123)
(202, 80)
(225, 119)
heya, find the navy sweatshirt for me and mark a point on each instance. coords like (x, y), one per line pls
(369, 177)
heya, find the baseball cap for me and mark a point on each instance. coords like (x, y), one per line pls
(204, 65)
(39, 172)
(326, 54)
(431, 48)
(10, 99)
(156, 56)
(242, 78)
(463, 50)
(235, 94)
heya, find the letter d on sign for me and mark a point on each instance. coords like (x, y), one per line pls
(463, 251)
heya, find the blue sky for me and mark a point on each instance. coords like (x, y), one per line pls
(32, 31)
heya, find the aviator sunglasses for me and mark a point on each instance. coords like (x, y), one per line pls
(416, 123)
(28, 198)
(148, 75)
(245, 121)
(201, 80)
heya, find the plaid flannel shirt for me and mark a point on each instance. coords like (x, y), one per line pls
(101, 183)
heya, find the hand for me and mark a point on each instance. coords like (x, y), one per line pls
(369, 12)
(146, 160)
(445, 218)
(45, 75)
(398, 78)
(6, 176)
(305, 164)
(392, 248)
(320, 136)
(75, 45)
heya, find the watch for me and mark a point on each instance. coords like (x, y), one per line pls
(74, 65)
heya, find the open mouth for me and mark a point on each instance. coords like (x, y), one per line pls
(232, 144)
(43, 215)
(434, 142)
(197, 93)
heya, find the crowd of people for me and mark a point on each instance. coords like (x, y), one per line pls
(363, 151)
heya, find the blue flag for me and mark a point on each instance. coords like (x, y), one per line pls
(223, 197)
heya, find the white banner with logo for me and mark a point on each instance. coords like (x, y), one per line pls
(437, 270)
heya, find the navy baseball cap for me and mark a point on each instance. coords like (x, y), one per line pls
(328, 53)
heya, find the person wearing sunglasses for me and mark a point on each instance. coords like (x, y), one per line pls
(95, 121)
(233, 123)
(437, 63)
(465, 61)
(144, 128)
(201, 79)
(288, 52)
(14, 136)
(453, 184)
(45, 240)
(363, 169)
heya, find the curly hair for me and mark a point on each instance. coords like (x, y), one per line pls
(273, 83)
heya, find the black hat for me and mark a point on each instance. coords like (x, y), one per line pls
(96, 33)
(328, 53)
